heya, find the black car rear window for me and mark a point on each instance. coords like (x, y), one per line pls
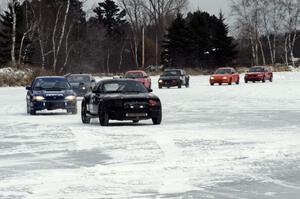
(124, 87)
(51, 84)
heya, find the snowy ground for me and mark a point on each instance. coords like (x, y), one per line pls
(240, 141)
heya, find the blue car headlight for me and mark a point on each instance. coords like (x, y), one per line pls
(38, 98)
(70, 98)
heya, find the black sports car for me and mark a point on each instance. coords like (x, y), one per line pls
(174, 77)
(120, 99)
(50, 93)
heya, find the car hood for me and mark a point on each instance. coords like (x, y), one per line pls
(169, 77)
(126, 96)
(46, 93)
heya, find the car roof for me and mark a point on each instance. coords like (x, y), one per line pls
(225, 68)
(50, 77)
(135, 71)
(79, 75)
(117, 80)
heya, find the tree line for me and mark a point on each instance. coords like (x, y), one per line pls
(267, 31)
(57, 35)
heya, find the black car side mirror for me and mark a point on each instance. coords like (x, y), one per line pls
(28, 88)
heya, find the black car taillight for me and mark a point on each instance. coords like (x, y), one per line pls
(153, 103)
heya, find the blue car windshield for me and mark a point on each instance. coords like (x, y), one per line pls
(124, 87)
(51, 84)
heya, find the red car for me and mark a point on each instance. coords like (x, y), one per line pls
(140, 76)
(224, 75)
(259, 73)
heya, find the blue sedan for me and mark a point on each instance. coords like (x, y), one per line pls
(50, 93)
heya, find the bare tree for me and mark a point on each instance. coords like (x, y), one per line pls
(136, 17)
(158, 12)
(291, 23)
(14, 30)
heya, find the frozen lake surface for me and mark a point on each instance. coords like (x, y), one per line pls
(228, 142)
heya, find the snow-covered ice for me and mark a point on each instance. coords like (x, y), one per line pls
(239, 141)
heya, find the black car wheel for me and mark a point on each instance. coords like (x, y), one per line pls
(84, 118)
(103, 118)
(211, 84)
(32, 111)
(187, 84)
(263, 80)
(157, 120)
(135, 121)
(271, 79)
(246, 81)
(220, 84)
(179, 84)
(160, 87)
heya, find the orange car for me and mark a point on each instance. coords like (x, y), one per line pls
(225, 75)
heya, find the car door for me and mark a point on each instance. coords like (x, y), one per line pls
(94, 99)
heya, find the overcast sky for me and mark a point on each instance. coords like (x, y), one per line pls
(211, 6)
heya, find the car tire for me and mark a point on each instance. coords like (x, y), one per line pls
(246, 81)
(157, 120)
(230, 82)
(271, 79)
(32, 111)
(211, 84)
(160, 87)
(103, 118)
(238, 82)
(220, 84)
(28, 109)
(263, 80)
(179, 84)
(135, 121)
(253, 81)
(84, 118)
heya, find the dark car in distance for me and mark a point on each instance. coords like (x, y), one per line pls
(174, 77)
(81, 83)
(120, 99)
(259, 73)
(50, 93)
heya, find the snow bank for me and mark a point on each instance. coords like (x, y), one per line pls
(14, 77)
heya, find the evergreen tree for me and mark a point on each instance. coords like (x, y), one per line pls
(176, 43)
(223, 45)
(112, 18)
(199, 40)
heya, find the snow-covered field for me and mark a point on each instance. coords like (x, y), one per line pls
(240, 141)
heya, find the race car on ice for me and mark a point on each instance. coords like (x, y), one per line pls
(50, 93)
(120, 99)
(224, 75)
(174, 77)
